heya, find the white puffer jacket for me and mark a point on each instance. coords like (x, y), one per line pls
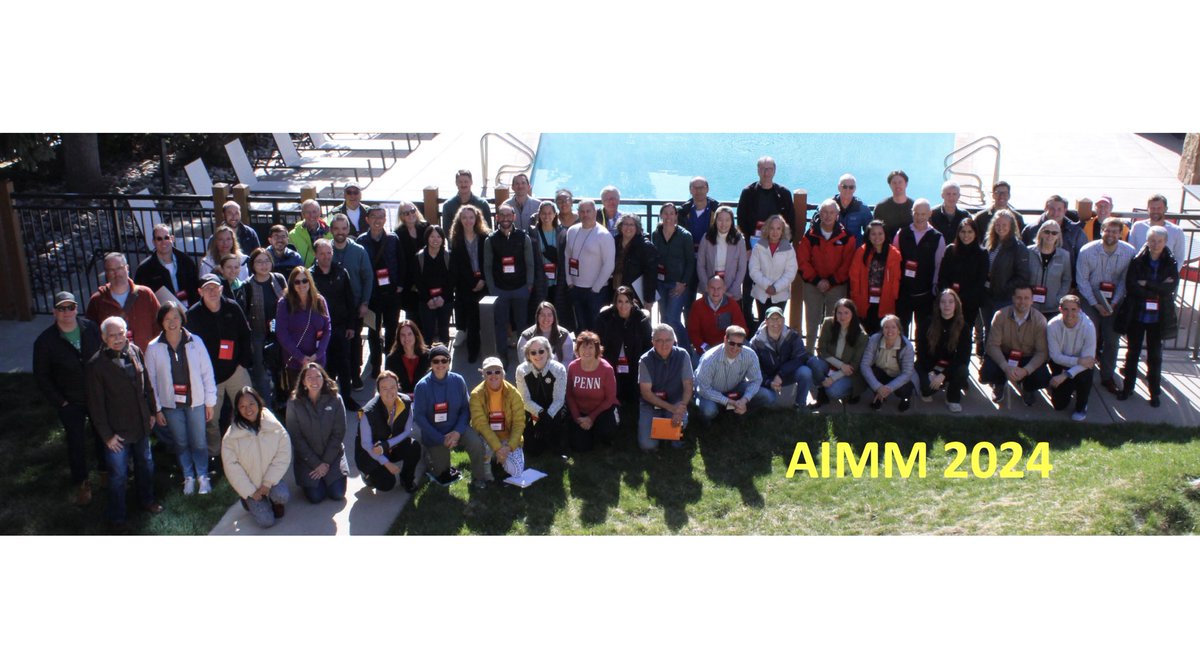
(252, 460)
(777, 269)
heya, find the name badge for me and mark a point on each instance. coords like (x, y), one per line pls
(320, 334)
(662, 272)
(721, 274)
(1152, 305)
(941, 365)
(758, 227)
(1039, 294)
(181, 392)
(874, 294)
(1106, 290)
(441, 411)
(622, 364)
(573, 267)
(478, 275)
(955, 287)
(1014, 357)
(910, 268)
(382, 278)
(496, 421)
(551, 271)
(734, 396)
(435, 292)
(508, 264)
(225, 350)
(181, 295)
(661, 395)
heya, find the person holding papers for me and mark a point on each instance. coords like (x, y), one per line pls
(498, 414)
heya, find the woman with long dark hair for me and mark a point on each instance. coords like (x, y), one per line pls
(302, 325)
(624, 330)
(409, 358)
(635, 259)
(944, 358)
(965, 270)
(550, 237)
(256, 453)
(259, 297)
(411, 231)
(722, 252)
(840, 346)
(434, 285)
(875, 277)
(316, 423)
(545, 324)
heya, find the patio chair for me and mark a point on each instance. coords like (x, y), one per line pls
(247, 176)
(325, 142)
(202, 184)
(292, 158)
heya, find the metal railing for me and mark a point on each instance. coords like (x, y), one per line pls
(508, 168)
(972, 191)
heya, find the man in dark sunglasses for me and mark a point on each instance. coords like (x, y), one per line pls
(169, 269)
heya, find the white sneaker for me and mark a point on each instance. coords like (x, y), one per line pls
(205, 485)
(954, 407)
(189, 486)
(925, 398)
(1079, 416)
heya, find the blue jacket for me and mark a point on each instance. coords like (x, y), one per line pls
(451, 390)
(354, 259)
(783, 362)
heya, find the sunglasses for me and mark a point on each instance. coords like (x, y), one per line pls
(439, 360)
(537, 352)
(408, 212)
(493, 373)
(1050, 233)
(352, 192)
(301, 281)
(849, 187)
(65, 309)
(161, 238)
(735, 344)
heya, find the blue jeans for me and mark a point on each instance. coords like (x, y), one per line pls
(670, 309)
(818, 369)
(709, 409)
(261, 377)
(262, 510)
(645, 420)
(511, 308)
(586, 304)
(803, 380)
(319, 492)
(187, 428)
(118, 472)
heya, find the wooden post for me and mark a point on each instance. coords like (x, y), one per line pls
(220, 195)
(308, 192)
(800, 203)
(16, 295)
(1189, 160)
(1084, 207)
(502, 195)
(431, 206)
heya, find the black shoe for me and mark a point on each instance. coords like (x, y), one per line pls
(815, 405)
(356, 384)
(1123, 395)
(1111, 386)
(998, 392)
(410, 487)
(1028, 396)
(853, 399)
(876, 405)
(278, 510)
(905, 404)
(1155, 402)
(449, 476)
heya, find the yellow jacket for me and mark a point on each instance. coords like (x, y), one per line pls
(514, 415)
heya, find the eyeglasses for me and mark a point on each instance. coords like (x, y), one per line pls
(1050, 233)
(848, 187)
(735, 344)
(352, 192)
(65, 309)
(410, 211)
(493, 373)
(300, 281)
(537, 352)
(439, 360)
(161, 238)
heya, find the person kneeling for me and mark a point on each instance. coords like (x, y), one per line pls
(665, 382)
(442, 415)
(498, 414)
(945, 353)
(385, 447)
(1071, 337)
(591, 394)
(1016, 349)
(782, 358)
(542, 383)
(256, 453)
(728, 377)
(889, 357)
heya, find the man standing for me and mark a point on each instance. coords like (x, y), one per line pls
(352, 207)
(665, 382)
(610, 208)
(1016, 349)
(696, 214)
(221, 325)
(247, 237)
(1156, 208)
(463, 182)
(921, 250)
(1101, 278)
(710, 316)
(948, 216)
(728, 378)
(823, 259)
(758, 201)
(1093, 229)
(353, 258)
(1072, 342)
(508, 265)
(853, 214)
(284, 257)
(1073, 238)
(1001, 191)
(309, 228)
(336, 287)
(522, 202)
(383, 250)
(170, 269)
(135, 305)
(895, 211)
(60, 354)
(123, 408)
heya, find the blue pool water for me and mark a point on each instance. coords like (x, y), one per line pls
(658, 166)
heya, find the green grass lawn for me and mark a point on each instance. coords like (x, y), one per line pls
(36, 496)
(730, 479)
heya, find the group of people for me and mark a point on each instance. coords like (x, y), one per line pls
(274, 329)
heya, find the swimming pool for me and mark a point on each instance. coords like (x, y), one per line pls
(658, 166)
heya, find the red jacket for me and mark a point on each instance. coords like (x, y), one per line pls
(140, 312)
(706, 327)
(819, 258)
(859, 290)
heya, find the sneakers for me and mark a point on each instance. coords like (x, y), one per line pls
(83, 496)
(446, 477)
(189, 486)
(205, 485)
(1079, 416)
(998, 392)
(153, 507)
(876, 405)
(954, 406)
(927, 399)
(479, 484)
(1028, 396)
(905, 404)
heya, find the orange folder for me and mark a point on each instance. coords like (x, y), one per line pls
(662, 430)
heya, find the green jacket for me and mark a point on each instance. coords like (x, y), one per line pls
(303, 242)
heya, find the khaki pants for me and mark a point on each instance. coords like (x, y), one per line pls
(439, 456)
(229, 388)
(818, 306)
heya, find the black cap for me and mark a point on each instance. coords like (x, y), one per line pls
(209, 277)
(64, 297)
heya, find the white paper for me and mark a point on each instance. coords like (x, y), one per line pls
(527, 478)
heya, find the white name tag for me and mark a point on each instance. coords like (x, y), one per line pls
(1152, 306)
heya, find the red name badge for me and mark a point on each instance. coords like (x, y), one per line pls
(181, 394)
(910, 268)
(441, 411)
(478, 275)
(550, 270)
(622, 364)
(662, 272)
(941, 365)
(1039, 294)
(1014, 357)
(661, 395)
(758, 227)
(873, 294)
(734, 396)
(435, 292)
(496, 421)
(1106, 290)
(1152, 305)
(181, 295)
(721, 274)
(320, 333)
(382, 278)
(955, 287)
(508, 264)
(225, 349)
(573, 267)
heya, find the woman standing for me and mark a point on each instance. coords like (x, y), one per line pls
(624, 331)
(409, 358)
(302, 325)
(840, 348)
(676, 266)
(316, 423)
(591, 394)
(434, 285)
(965, 270)
(1147, 315)
(256, 453)
(466, 259)
(945, 357)
(887, 364)
(875, 277)
(1008, 263)
(1049, 269)
(772, 268)
(223, 242)
(551, 240)
(542, 383)
(385, 449)
(259, 297)
(181, 374)
(723, 253)
(636, 259)
(411, 233)
(564, 200)
(546, 325)
(498, 415)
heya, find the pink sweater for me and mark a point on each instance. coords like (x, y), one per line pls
(591, 393)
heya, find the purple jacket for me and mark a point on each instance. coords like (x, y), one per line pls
(301, 335)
